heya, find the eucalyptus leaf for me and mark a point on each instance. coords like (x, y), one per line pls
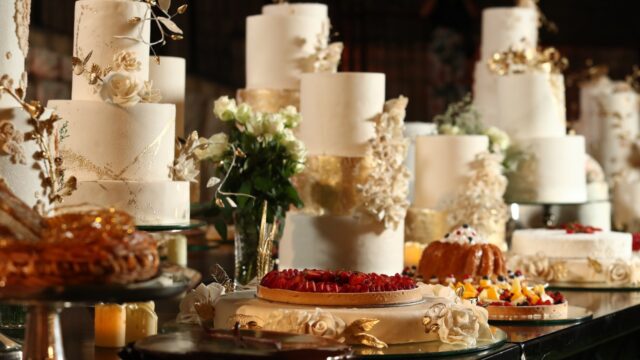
(170, 25)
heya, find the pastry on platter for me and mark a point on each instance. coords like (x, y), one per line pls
(462, 252)
(337, 288)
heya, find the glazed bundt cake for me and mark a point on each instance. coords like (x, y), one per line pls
(461, 253)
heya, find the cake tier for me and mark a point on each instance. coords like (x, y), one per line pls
(507, 28)
(169, 77)
(23, 179)
(551, 171)
(411, 131)
(596, 214)
(98, 26)
(531, 104)
(150, 203)
(443, 164)
(626, 205)
(560, 244)
(108, 142)
(340, 243)
(243, 306)
(280, 40)
(485, 93)
(338, 110)
(590, 124)
(620, 123)
(14, 42)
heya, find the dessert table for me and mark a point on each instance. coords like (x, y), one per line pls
(612, 329)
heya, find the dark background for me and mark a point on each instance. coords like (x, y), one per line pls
(427, 48)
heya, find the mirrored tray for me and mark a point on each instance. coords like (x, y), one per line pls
(575, 314)
(593, 286)
(193, 224)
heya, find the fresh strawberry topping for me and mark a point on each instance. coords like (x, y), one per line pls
(323, 281)
(636, 241)
(575, 228)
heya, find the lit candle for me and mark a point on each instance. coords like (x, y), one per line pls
(177, 249)
(412, 253)
(142, 321)
(109, 325)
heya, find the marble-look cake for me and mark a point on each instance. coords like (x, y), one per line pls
(331, 232)
(574, 254)
(121, 152)
(20, 175)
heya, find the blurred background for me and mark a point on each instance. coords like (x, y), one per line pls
(427, 48)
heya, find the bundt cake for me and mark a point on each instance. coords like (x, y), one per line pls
(461, 253)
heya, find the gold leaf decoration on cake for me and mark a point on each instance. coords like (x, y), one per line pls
(268, 100)
(385, 192)
(513, 61)
(595, 265)
(358, 333)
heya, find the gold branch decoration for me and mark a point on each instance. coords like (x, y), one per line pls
(358, 333)
(265, 244)
(520, 61)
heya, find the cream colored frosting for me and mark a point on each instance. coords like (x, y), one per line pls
(338, 110)
(14, 34)
(531, 105)
(109, 142)
(278, 42)
(485, 93)
(508, 27)
(340, 242)
(149, 202)
(169, 77)
(443, 164)
(98, 24)
(23, 179)
(590, 124)
(626, 204)
(551, 171)
(244, 306)
(411, 131)
(559, 244)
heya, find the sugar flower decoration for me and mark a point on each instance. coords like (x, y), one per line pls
(185, 164)
(11, 140)
(385, 192)
(198, 306)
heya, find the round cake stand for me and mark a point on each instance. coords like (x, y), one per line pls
(43, 338)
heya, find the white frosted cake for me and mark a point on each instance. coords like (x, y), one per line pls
(169, 77)
(575, 255)
(503, 28)
(332, 231)
(280, 40)
(121, 143)
(590, 124)
(17, 168)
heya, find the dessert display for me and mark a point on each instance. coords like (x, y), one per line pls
(337, 288)
(351, 220)
(124, 154)
(96, 247)
(16, 158)
(575, 253)
(462, 252)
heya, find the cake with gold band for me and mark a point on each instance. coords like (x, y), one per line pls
(121, 137)
(355, 199)
(16, 157)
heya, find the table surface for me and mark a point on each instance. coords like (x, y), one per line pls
(615, 314)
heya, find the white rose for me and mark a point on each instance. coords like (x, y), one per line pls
(148, 94)
(120, 89)
(126, 61)
(319, 323)
(324, 324)
(498, 138)
(291, 117)
(225, 109)
(244, 113)
(448, 129)
(203, 295)
(255, 125)
(297, 150)
(459, 325)
(273, 124)
(620, 272)
(214, 147)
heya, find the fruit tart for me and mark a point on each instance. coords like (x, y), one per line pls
(513, 298)
(337, 288)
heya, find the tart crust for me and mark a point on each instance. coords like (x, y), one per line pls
(340, 299)
(540, 312)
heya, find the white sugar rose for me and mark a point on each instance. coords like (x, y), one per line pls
(148, 94)
(326, 325)
(126, 61)
(225, 109)
(200, 302)
(498, 138)
(213, 147)
(244, 113)
(620, 272)
(318, 322)
(120, 89)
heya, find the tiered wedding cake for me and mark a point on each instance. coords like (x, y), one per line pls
(16, 154)
(345, 178)
(527, 88)
(121, 144)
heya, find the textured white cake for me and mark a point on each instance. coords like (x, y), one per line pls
(552, 171)
(338, 111)
(22, 178)
(412, 131)
(626, 200)
(121, 155)
(590, 124)
(443, 166)
(278, 42)
(169, 77)
(559, 244)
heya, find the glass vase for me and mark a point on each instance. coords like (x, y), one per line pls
(247, 241)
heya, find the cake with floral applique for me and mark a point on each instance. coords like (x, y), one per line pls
(121, 143)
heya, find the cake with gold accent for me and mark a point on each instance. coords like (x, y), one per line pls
(121, 138)
(461, 253)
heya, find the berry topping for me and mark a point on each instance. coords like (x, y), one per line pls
(575, 228)
(636, 242)
(323, 281)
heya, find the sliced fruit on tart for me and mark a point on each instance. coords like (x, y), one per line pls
(337, 288)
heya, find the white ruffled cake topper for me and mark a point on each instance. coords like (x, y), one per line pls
(464, 234)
